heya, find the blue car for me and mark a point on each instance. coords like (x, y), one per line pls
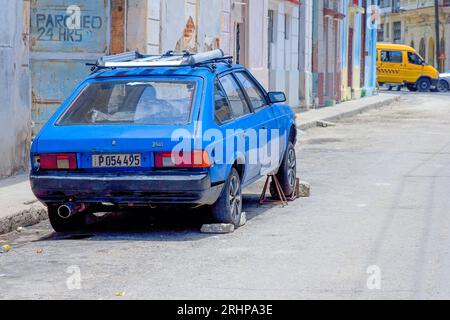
(149, 131)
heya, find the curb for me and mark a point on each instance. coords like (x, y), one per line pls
(32, 215)
(346, 113)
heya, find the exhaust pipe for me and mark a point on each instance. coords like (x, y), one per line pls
(69, 209)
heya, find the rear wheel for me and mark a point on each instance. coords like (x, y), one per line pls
(228, 208)
(443, 86)
(423, 85)
(59, 224)
(287, 174)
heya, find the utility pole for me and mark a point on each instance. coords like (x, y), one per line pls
(438, 36)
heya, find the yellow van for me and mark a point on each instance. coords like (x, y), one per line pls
(402, 65)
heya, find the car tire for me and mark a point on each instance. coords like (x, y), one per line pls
(443, 86)
(423, 85)
(228, 208)
(59, 224)
(287, 174)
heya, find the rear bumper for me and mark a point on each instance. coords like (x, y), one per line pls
(155, 188)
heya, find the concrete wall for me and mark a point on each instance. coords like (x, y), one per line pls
(257, 57)
(305, 53)
(15, 110)
(209, 24)
(136, 28)
(284, 71)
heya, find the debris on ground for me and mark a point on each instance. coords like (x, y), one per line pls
(325, 124)
(120, 294)
(20, 229)
(305, 189)
(27, 203)
(243, 220)
(40, 251)
(5, 248)
(218, 228)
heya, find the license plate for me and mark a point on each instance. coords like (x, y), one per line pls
(116, 161)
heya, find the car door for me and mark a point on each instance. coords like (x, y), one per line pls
(239, 131)
(265, 123)
(414, 67)
(392, 65)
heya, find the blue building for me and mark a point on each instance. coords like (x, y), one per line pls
(358, 48)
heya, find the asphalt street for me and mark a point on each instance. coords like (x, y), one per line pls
(376, 226)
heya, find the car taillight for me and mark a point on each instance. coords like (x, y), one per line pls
(194, 159)
(58, 161)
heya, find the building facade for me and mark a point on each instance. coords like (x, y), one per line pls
(318, 52)
(15, 110)
(413, 22)
(358, 49)
(343, 51)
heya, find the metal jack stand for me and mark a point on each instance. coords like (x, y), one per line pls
(281, 197)
(296, 193)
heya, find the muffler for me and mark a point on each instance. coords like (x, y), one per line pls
(68, 209)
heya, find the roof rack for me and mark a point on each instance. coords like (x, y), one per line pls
(169, 59)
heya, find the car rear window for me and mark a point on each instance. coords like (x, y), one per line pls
(132, 102)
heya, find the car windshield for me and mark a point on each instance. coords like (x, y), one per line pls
(132, 102)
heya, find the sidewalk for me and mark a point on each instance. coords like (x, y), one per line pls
(19, 207)
(308, 120)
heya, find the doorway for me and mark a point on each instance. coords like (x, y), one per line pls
(350, 57)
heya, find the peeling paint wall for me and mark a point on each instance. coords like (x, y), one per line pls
(179, 27)
(15, 110)
(59, 51)
(193, 25)
(209, 28)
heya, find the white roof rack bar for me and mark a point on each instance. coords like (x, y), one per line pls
(121, 57)
(143, 64)
(170, 59)
(206, 56)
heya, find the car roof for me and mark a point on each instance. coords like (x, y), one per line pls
(204, 71)
(392, 46)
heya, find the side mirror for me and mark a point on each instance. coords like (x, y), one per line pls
(277, 97)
